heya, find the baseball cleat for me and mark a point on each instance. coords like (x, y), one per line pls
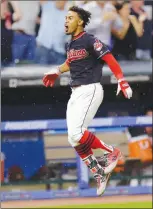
(110, 160)
(101, 183)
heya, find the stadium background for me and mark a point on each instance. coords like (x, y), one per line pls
(36, 163)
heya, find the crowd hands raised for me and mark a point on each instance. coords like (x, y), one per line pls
(33, 31)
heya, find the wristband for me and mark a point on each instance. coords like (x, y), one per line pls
(121, 79)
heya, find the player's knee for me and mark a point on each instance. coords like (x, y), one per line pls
(74, 136)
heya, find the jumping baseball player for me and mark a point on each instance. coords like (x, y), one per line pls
(86, 56)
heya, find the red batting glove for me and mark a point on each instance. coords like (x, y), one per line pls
(125, 88)
(50, 77)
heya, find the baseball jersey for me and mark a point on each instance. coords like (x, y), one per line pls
(84, 55)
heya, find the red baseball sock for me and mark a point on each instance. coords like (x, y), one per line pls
(96, 143)
(83, 151)
(88, 142)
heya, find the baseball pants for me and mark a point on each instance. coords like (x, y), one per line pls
(81, 109)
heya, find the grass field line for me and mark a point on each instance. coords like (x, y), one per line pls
(112, 205)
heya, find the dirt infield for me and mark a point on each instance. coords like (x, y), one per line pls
(75, 201)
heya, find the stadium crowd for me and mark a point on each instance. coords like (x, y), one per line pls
(33, 31)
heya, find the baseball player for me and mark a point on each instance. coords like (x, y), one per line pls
(86, 56)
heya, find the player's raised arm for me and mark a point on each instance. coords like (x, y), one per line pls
(50, 77)
(117, 71)
(101, 51)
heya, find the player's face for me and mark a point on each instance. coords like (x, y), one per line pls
(72, 22)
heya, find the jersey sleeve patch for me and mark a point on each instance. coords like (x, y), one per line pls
(99, 49)
(98, 45)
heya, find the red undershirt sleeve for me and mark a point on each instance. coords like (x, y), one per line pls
(113, 65)
(67, 62)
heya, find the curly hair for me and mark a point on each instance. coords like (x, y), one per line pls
(83, 14)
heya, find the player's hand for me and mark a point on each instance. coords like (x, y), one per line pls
(50, 77)
(125, 88)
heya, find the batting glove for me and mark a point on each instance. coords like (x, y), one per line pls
(125, 88)
(50, 77)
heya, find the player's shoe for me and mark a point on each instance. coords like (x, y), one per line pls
(110, 160)
(102, 181)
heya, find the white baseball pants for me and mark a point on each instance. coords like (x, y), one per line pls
(81, 109)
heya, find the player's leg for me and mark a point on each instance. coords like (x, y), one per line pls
(79, 107)
(82, 107)
(110, 159)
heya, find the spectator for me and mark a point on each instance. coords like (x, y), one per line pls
(80, 3)
(144, 43)
(24, 32)
(6, 30)
(125, 39)
(104, 17)
(51, 38)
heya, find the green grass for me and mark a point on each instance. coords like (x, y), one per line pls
(115, 205)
